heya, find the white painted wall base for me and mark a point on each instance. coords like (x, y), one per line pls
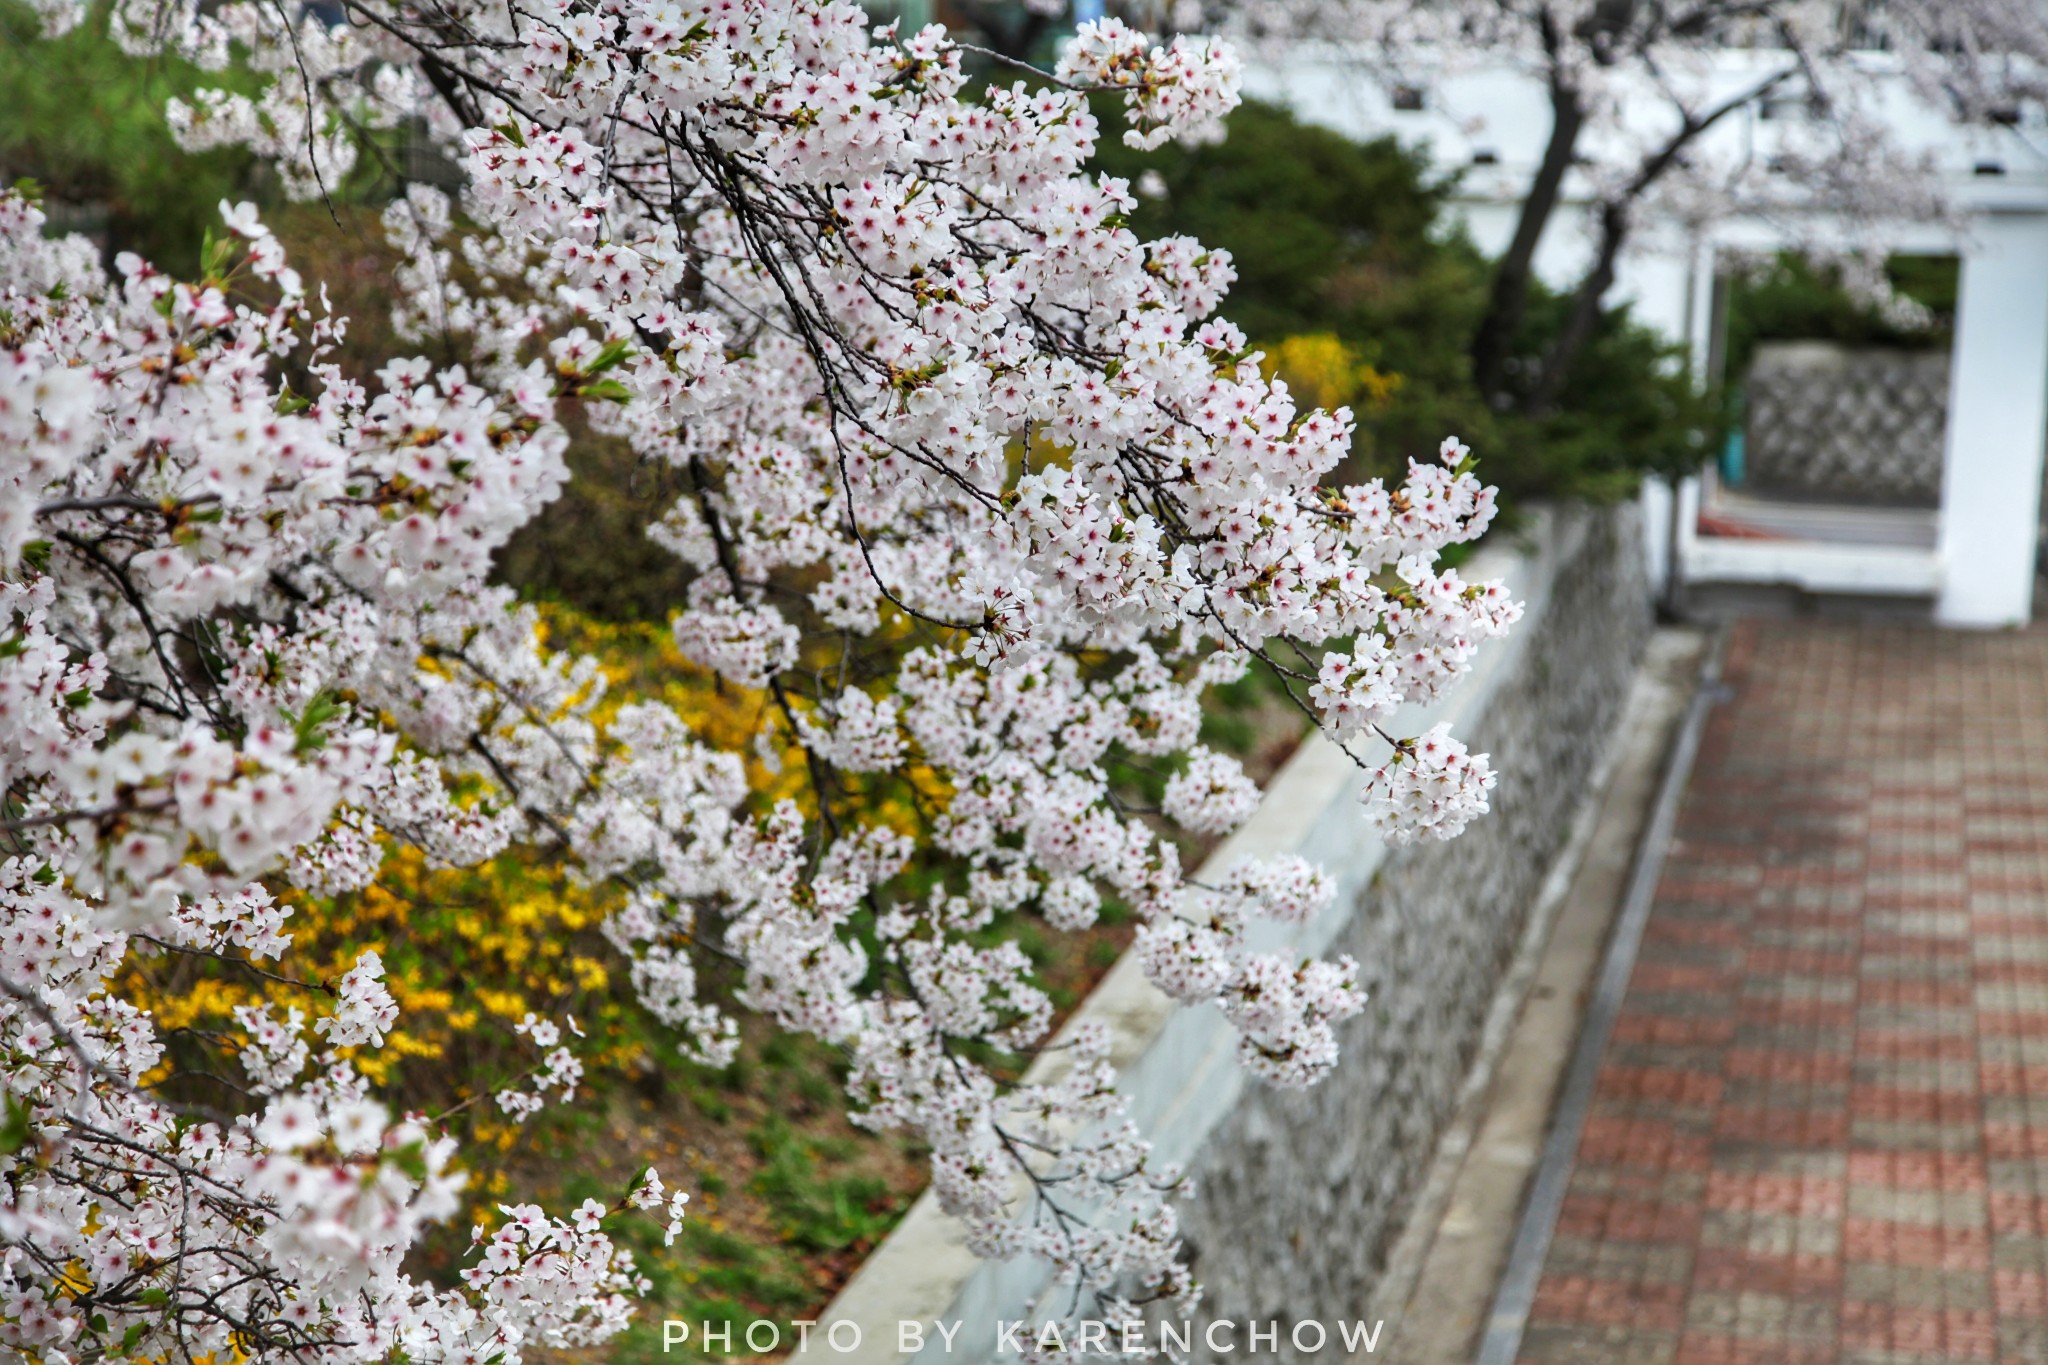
(1886, 571)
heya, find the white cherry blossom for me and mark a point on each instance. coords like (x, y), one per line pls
(978, 498)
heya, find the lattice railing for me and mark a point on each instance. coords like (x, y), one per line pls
(1849, 425)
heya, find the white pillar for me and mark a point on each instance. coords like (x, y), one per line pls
(1676, 296)
(1657, 532)
(1686, 522)
(1997, 421)
(1701, 321)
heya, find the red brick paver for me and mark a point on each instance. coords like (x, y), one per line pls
(1821, 1128)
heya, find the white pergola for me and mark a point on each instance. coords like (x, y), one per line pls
(1979, 571)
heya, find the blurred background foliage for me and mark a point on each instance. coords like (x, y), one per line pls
(108, 164)
(1789, 298)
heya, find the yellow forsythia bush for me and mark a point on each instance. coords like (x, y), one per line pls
(468, 952)
(1324, 372)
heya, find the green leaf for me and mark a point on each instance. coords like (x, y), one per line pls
(412, 1159)
(306, 726)
(14, 1129)
(289, 402)
(610, 356)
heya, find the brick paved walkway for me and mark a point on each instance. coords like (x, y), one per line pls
(1821, 1129)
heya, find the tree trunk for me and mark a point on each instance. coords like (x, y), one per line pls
(1493, 343)
(1584, 318)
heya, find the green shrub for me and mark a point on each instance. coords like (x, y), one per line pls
(1795, 300)
(112, 154)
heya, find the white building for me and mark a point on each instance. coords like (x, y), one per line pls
(1976, 559)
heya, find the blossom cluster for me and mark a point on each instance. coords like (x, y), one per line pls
(213, 596)
(977, 498)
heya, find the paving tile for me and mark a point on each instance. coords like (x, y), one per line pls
(1820, 1135)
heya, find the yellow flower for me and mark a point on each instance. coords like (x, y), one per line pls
(1323, 372)
(508, 1004)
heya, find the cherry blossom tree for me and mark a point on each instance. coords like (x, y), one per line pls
(979, 499)
(1656, 108)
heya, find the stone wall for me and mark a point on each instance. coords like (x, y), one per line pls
(1301, 1193)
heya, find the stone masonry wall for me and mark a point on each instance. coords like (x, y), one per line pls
(1301, 1193)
